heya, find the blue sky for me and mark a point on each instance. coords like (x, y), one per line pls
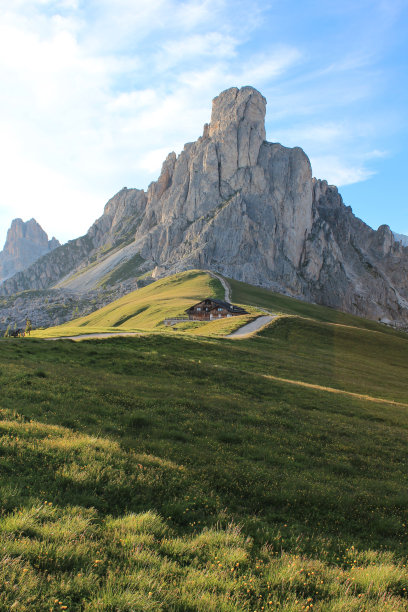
(95, 93)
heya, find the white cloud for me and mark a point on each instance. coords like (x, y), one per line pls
(316, 134)
(261, 68)
(337, 172)
(210, 44)
(376, 154)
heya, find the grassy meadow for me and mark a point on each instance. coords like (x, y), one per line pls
(145, 310)
(178, 472)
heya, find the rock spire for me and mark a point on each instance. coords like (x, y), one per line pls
(25, 243)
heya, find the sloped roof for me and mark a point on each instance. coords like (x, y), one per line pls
(222, 304)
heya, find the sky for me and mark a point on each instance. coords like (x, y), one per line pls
(95, 93)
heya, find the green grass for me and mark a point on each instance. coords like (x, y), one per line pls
(276, 302)
(145, 310)
(168, 472)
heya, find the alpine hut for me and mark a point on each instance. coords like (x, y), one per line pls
(210, 309)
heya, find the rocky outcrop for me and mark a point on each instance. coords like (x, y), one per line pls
(233, 203)
(350, 266)
(25, 243)
(401, 238)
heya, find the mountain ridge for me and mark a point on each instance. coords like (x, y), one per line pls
(247, 208)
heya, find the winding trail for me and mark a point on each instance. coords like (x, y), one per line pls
(251, 327)
(227, 288)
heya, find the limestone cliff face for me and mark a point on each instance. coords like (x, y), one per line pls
(249, 209)
(350, 266)
(232, 202)
(25, 243)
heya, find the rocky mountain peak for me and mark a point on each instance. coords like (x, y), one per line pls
(25, 243)
(383, 240)
(234, 108)
(238, 128)
(21, 232)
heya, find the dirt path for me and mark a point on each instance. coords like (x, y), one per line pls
(360, 396)
(96, 336)
(252, 327)
(227, 288)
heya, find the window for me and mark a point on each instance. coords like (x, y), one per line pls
(220, 310)
(198, 309)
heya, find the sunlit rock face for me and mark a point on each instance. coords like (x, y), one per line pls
(25, 243)
(234, 203)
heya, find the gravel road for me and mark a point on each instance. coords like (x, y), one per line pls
(251, 327)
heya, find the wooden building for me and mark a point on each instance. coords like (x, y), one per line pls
(210, 309)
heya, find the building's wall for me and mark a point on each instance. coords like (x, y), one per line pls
(209, 315)
(199, 316)
(212, 313)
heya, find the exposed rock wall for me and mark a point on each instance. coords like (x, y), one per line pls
(350, 266)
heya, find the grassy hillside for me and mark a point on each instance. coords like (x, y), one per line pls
(145, 309)
(248, 294)
(170, 472)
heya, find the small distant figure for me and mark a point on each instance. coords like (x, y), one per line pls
(28, 327)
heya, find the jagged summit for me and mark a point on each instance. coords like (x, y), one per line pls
(234, 203)
(25, 243)
(238, 127)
